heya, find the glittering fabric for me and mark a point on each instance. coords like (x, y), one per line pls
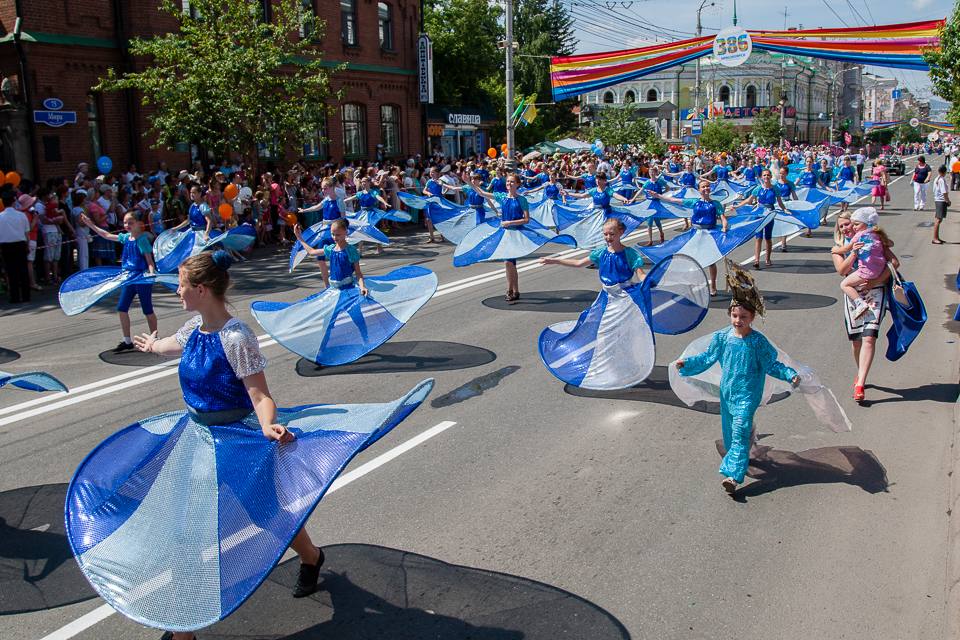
(745, 362)
(213, 365)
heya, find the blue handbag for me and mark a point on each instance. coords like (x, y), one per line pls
(908, 320)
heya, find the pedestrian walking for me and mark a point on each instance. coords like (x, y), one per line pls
(920, 176)
(941, 200)
(14, 236)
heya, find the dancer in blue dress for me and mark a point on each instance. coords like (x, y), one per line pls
(768, 196)
(658, 185)
(352, 316)
(177, 519)
(432, 188)
(134, 278)
(788, 190)
(628, 177)
(602, 196)
(370, 212)
(846, 175)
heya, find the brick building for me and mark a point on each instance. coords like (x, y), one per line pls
(63, 48)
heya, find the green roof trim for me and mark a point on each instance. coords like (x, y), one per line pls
(64, 39)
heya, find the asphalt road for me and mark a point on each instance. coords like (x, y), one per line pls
(543, 511)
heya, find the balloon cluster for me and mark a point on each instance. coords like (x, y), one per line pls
(597, 147)
(12, 178)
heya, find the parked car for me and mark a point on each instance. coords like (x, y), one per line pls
(894, 165)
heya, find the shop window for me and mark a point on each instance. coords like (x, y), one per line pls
(94, 125)
(390, 129)
(385, 13)
(651, 95)
(724, 95)
(348, 21)
(354, 130)
(308, 12)
(315, 144)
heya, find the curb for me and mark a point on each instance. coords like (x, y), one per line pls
(952, 608)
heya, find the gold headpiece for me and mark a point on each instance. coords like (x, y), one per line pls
(743, 290)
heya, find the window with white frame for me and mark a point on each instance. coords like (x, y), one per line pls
(348, 21)
(390, 129)
(385, 18)
(354, 130)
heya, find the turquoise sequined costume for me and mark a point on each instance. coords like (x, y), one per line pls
(745, 363)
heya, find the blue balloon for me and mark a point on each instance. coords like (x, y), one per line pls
(104, 164)
(597, 142)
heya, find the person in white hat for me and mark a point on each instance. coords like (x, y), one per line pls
(869, 241)
(81, 174)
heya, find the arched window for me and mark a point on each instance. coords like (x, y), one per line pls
(385, 12)
(751, 96)
(354, 130)
(724, 95)
(608, 97)
(652, 95)
(630, 97)
(390, 129)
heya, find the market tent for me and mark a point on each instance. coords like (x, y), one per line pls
(573, 145)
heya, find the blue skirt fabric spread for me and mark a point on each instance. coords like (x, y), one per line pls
(32, 381)
(798, 215)
(611, 345)
(373, 216)
(339, 325)
(707, 246)
(721, 194)
(586, 227)
(176, 524)
(85, 288)
(319, 234)
(489, 241)
(171, 247)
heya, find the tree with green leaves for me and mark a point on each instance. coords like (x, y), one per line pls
(228, 80)
(719, 136)
(621, 126)
(465, 55)
(767, 130)
(944, 64)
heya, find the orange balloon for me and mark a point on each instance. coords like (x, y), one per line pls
(230, 192)
(503, 147)
(492, 152)
(225, 210)
(291, 219)
(12, 178)
(3, 179)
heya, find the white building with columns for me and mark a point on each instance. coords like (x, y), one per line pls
(807, 86)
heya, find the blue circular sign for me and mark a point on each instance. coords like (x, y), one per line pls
(53, 104)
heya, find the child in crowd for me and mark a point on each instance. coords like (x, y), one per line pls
(868, 242)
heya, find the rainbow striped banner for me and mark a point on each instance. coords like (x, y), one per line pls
(870, 127)
(941, 126)
(896, 46)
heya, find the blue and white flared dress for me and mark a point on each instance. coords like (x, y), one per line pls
(172, 247)
(586, 227)
(455, 224)
(490, 241)
(319, 235)
(611, 345)
(339, 324)
(32, 381)
(85, 288)
(743, 374)
(370, 213)
(177, 519)
(705, 243)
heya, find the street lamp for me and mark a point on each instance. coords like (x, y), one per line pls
(697, 105)
(784, 63)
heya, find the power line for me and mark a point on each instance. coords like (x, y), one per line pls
(836, 14)
(867, 5)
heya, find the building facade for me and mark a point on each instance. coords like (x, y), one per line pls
(878, 102)
(808, 88)
(62, 49)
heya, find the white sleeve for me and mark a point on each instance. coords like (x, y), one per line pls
(183, 334)
(242, 349)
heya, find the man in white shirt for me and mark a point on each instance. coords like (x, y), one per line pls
(162, 172)
(941, 200)
(861, 160)
(108, 201)
(605, 167)
(131, 173)
(14, 236)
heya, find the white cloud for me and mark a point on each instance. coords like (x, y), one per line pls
(920, 4)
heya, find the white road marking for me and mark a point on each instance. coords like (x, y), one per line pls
(102, 613)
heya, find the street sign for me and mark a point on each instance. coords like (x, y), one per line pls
(425, 68)
(696, 127)
(53, 104)
(897, 94)
(55, 118)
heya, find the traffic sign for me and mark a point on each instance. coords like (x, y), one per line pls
(696, 127)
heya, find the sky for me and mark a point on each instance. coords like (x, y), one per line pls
(608, 25)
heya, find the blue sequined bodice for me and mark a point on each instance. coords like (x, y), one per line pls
(474, 199)
(197, 218)
(601, 199)
(722, 173)
(498, 185)
(846, 173)
(826, 177)
(552, 191)
(626, 178)
(132, 259)
(589, 181)
(766, 197)
(340, 266)
(615, 267)
(331, 210)
(207, 378)
(654, 185)
(808, 179)
(785, 189)
(367, 200)
(749, 174)
(511, 209)
(704, 213)
(688, 180)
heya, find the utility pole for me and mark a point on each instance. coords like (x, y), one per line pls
(511, 152)
(696, 139)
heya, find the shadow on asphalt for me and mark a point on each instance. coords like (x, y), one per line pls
(132, 358)
(937, 392)
(656, 389)
(369, 592)
(780, 300)
(37, 568)
(547, 301)
(399, 357)
(774, 469)
(7, 355)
